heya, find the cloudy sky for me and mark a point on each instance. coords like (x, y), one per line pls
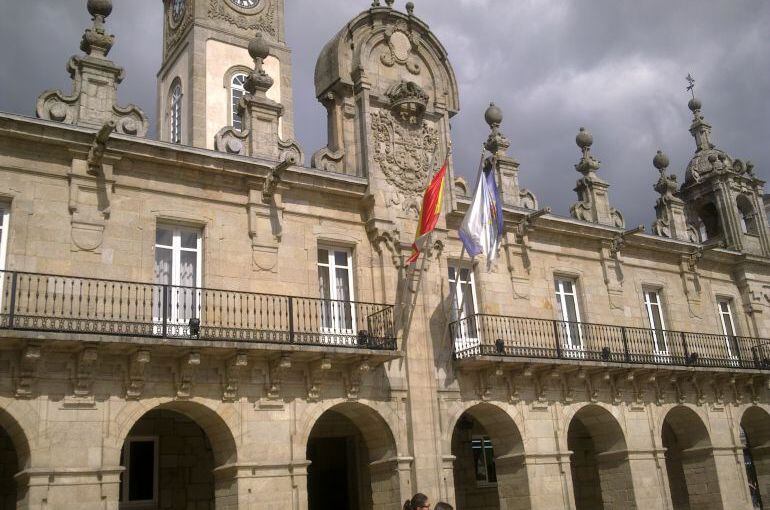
(614, 66)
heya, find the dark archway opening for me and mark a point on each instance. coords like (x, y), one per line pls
(601, 475)
(169, 464)
(692, 475)
(353, 464)
(755, 435)
(709, 222)
(9, 466)
(489, 468)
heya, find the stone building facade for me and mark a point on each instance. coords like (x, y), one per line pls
(215, 320)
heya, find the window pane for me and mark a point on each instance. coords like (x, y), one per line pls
(479, 461)
(465, 274)
(490, 456)
(724, 306)
(188, 270)
(164, 236)
(452, 274)
(324, 285)
(568, 288)
(323, 256)
(657, 320)
(2, 217)
(571, 308)
(163, 266)
(189, 240)
(141, 471)
(341, 258)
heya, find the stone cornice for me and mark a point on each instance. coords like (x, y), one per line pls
(167, 154)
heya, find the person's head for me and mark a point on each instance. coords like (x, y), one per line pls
(418, 502)
(443, 506)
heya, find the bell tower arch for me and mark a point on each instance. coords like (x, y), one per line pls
(206, 59)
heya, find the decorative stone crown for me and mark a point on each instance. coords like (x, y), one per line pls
(407, 100)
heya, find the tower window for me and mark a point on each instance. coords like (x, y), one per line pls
(237, 91)
(709, 222)
(748, 215)
(175, 112)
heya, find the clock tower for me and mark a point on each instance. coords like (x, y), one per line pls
(206, 62)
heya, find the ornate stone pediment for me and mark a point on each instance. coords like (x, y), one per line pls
(265, 22)
(404, 152)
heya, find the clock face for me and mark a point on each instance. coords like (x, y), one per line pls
(177, 9)
(246, 4)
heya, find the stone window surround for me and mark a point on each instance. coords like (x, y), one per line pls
(731, 300)
(124, 503)
(183, 220)
(227, 83)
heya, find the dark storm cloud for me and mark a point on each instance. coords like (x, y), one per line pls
(614, 66)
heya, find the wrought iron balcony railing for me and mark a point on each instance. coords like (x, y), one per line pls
(52, 303)
(518, 337)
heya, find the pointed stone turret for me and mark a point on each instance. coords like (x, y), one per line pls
(507, 167)
(95, 80)
(261, 115)
(593, 204)
(671, 221)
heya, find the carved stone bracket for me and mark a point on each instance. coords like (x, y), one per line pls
(591, 386)
(185, 374)
(540, 401)
(353, 378)
(232, 376)
(27, 372)
(511, 378)
(82, 380)
(637, 383)
(314, 378)
(688, 272)
(137, 366)
(276, 371)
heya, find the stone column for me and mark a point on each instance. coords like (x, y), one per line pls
(646, 479)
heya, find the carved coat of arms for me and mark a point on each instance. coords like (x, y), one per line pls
(405, 152)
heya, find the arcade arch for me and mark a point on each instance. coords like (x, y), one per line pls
(755, 428)
(601, 475)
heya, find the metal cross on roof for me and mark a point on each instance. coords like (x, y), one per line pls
(691, 86)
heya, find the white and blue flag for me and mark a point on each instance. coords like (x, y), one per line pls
(482, 227)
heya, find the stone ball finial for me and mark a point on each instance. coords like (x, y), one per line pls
(584, 138)
(493, 115)
(390, 3)
(258, 47)
(694, 104)
(410, 8)
(660, 161)
(99, 7)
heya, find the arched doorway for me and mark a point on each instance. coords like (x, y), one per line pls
(353, 463)
(755, 428)
(170, 455)
(489, 469)
(601, 475)
(14, 457)
(9, 466)
(692, 476)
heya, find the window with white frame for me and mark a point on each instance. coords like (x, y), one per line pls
(569, 311)
(725, 309)
(178, 263)
(237, 91)
(654, 308)
(175, 113)
(139, 481)
(335, 286)
(462, 283)
(484, 461)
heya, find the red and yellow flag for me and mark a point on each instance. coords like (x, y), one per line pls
(430, 212)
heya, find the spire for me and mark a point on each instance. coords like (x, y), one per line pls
(700, 129)
(95, 81)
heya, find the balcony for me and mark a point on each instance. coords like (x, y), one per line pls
(491, 336)
(31, 302)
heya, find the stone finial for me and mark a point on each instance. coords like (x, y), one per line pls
(258, 81)
(410, 8)
(95, 78)
(389, 3)
(97, 42)
(588, 165)
(671, 220)
(593, 201)
(497, 143)
(666, 185)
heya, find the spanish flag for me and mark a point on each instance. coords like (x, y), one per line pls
(430, 212)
